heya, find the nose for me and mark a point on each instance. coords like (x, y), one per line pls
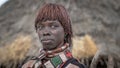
(46, 32)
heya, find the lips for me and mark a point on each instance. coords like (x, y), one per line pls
(46, 40)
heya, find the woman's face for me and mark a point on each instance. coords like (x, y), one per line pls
(51, 34)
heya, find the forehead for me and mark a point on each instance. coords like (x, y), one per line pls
(50, 22)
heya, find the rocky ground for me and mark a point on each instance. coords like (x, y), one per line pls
(98, 18)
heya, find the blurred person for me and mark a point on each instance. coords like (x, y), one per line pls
(53, 27)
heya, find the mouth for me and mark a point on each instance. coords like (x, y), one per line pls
(46, 41)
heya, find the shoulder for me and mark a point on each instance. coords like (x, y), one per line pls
(73, 63)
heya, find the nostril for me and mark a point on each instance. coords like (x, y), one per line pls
(46, 33)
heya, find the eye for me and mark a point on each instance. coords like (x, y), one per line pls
(39, 27)
(54, 26)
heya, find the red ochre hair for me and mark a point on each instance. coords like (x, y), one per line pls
(56, 12)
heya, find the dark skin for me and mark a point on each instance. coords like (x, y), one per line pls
(51, 34)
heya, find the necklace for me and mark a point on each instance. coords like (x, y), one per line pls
(55, 52)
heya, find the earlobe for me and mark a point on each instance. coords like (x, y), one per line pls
(36, 31)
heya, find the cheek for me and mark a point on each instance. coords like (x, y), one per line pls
(39, 34)
(60, 35)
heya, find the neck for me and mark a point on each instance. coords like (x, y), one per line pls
(57, 50)
(51, 53)
(59, 45)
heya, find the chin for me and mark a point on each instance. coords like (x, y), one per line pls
(49, 48)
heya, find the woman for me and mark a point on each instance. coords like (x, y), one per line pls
(53, 26)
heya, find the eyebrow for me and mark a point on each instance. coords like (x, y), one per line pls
(52, 22)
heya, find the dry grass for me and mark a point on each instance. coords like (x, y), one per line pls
(11, 54)
(16, 50)
(83, 47)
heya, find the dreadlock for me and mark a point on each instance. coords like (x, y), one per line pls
(56, 12)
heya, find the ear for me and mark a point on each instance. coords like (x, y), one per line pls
(36, 31)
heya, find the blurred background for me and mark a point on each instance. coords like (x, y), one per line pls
(98, 21)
